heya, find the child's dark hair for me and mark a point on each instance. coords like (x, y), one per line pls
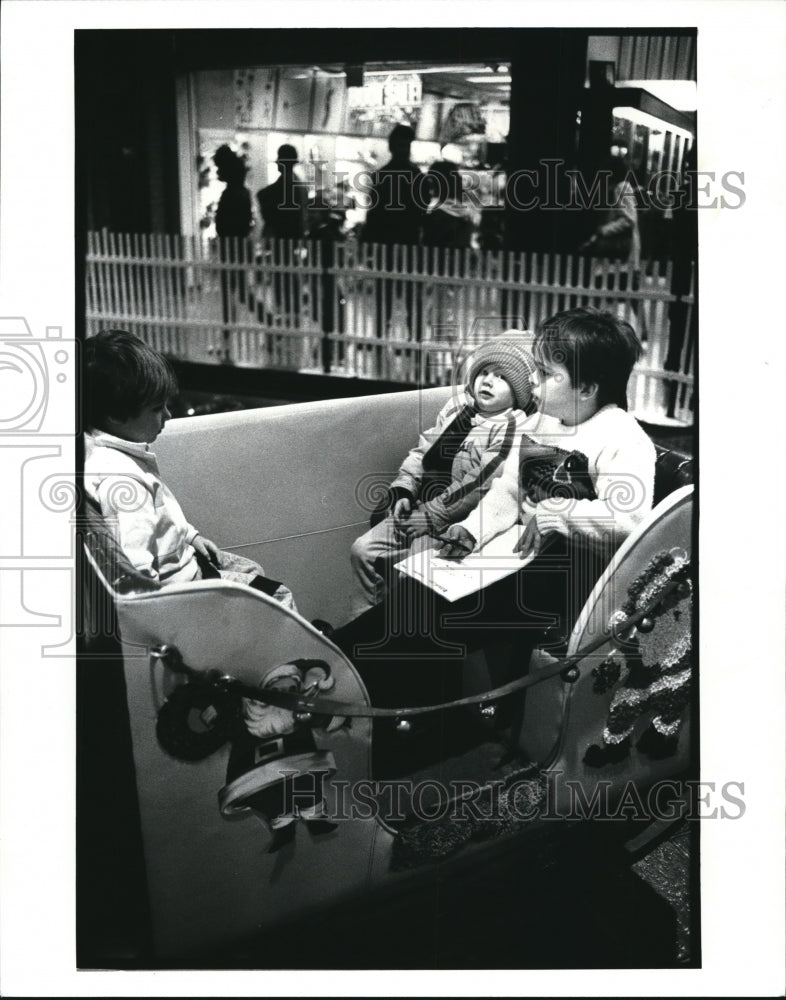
(122, 375)
(595, 347)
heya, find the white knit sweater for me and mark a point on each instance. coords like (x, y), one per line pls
(621, 462)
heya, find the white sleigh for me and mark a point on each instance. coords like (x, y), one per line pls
(291, 487)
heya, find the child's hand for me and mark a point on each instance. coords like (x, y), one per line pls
(402, 509)
(531, 540)
(418, 523)
(388, 504)
(458, 542)
(208, 549)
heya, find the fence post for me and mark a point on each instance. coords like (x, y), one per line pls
(330, 304)
(683, 331)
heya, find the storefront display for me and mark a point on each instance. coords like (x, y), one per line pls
(339, 131)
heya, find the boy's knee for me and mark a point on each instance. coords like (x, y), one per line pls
(360, 551)
(373, 550)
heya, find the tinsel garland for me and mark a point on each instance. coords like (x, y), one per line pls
(508, 808)
(667, 649)
(657, 659)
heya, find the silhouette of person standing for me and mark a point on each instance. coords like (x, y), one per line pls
(283, 206)
(449, 224)
(399, 198)
(233, 215)
(449, 221)
(233, 225)
(617, 236)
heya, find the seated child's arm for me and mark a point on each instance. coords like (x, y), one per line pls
(206, 548)
(127, 505)
(624, 479)
(129, 508)
(407, 481)
(465, 493)
(623, 476)
(397, 500)
(497, 510)
(457, 542)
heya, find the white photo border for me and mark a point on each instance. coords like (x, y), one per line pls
(742, 83)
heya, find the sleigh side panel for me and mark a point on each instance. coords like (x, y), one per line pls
(210, 878)
(620, 692)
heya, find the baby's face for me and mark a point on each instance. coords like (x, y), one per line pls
(492, 391)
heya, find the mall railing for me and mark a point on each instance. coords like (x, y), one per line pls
(405, 314)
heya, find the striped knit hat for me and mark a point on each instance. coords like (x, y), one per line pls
(510, 354)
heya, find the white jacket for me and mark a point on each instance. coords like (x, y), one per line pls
(139, 508)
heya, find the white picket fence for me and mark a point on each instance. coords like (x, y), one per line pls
(404, 314)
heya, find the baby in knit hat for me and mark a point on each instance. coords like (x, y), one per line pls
(445, 475)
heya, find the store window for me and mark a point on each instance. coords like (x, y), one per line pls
(339, 124)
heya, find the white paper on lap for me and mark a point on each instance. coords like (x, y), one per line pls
(452, 579)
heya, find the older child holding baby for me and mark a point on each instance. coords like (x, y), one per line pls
(585, 358)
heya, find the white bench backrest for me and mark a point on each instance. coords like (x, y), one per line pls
(286, 485)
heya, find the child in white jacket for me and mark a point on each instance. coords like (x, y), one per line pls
(127, 386)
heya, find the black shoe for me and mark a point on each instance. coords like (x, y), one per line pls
(324, 627)
(609, 753)
(282, 836)
(319, 826)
